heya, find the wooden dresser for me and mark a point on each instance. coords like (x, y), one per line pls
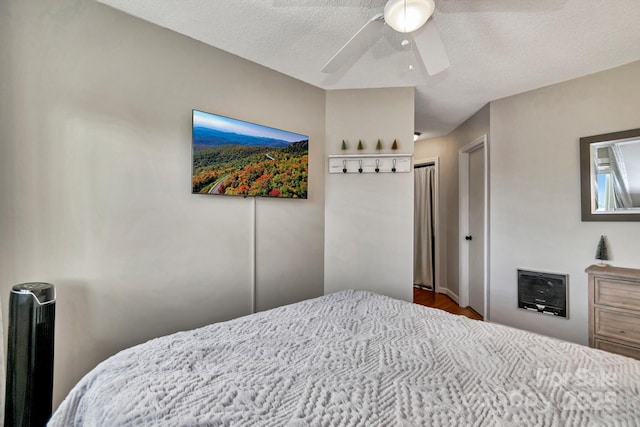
(614, 309)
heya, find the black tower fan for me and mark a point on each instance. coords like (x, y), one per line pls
(32, 312)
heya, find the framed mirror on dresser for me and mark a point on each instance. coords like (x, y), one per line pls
(614, 309)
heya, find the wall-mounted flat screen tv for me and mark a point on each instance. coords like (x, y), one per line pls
(233, 157)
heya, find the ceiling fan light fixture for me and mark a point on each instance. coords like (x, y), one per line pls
(406, 16)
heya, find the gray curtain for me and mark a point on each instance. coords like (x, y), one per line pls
(423, 242)
(619, 175)
(599, 198)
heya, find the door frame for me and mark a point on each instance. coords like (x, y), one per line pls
(463, 206)
(436, 217)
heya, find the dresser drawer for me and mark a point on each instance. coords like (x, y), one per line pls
(613, 347)
(617, 293)
(617, 324)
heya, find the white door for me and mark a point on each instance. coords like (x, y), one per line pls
(475, 239)
(474, 212)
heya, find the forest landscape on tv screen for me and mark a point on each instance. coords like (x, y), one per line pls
(233, 157)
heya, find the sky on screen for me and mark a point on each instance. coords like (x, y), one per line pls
(202, 119)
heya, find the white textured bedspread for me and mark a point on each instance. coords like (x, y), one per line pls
(356, 359)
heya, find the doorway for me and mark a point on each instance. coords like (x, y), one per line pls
(474, 216)
(426, 239)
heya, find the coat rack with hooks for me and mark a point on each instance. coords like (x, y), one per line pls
(370, 163)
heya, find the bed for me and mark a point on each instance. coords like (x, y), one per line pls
(358, 359)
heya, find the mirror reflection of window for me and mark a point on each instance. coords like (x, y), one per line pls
(630, 152)
(617, 175)
(610, 176)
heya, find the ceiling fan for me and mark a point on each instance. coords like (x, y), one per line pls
(410, 17)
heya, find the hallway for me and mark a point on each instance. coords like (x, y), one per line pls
(442, 302)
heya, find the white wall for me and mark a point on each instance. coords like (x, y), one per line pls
(369, 217)
(535, 192)
(95, 180)
(446, 149)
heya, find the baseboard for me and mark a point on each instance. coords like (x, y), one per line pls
(450, 294)
(445, 291)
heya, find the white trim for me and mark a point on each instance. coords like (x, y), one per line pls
(486, 229)
(450, 294)
(252, 291)
(436, 221)
(463, 194)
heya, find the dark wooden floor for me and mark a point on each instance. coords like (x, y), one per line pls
(443, 302)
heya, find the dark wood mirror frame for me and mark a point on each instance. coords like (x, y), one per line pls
(585, 176)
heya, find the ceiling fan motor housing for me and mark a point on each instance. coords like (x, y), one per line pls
(406, 16)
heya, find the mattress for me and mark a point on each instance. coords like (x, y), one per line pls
(356, 359)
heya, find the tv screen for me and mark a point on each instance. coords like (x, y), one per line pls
(233, 157)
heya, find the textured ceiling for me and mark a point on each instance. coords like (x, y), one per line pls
(497, 48)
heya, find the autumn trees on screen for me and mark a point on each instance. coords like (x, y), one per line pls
(252, 171)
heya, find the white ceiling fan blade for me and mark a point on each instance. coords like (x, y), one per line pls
(429, 45)
(357, 45)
